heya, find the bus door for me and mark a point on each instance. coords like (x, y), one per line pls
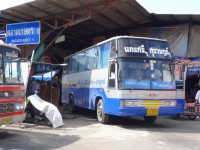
(180, 81)
(112, 75)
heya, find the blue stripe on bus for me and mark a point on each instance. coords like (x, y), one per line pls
(85, 97)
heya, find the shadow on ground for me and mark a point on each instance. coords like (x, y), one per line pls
(13, 139)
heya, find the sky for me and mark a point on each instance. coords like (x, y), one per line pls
(171, 6)
(11, 3)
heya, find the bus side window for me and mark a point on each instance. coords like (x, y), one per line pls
(91, 59)
(111, 80)
(66, 68)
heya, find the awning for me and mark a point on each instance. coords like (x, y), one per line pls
(46, 76)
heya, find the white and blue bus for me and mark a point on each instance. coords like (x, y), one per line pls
(122, 76)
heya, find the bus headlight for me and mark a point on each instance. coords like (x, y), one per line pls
(170, 103)
(22, 106)
(19, 106)
(6, 94)
(129, 103)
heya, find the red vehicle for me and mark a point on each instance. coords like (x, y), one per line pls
(12, 87)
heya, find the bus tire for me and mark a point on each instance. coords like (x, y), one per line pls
(70, 106)
(102, 117)
(150, 119)
(192, 117)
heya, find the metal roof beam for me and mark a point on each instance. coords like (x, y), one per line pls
(56, 5)
(153, 16)
(39, 10)
(46, 48)
(100, 25)
(93, 7)
(84, 11)
(110, 20)
(88, 29)
(139, 8)
(61, 7)
(124, 15)
(44, 36)
(51, 26)
(86, 14)
(191, 18)
(173, 17)
(23, 14)
(17, 18)
(52, 56)
(3, 26)
(3, 21)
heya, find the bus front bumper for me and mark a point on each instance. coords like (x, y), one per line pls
(150, 111)
(12, 119)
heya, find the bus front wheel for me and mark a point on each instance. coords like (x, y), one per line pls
(101, 115)
(150, 119)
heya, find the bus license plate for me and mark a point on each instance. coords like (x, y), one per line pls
(152, 111)
(6, 120)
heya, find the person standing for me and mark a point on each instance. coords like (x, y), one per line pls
(197, 97)
(33, 85)
(167, 77)
(157, 75)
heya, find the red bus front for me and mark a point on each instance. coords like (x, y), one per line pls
(12, 104)
(12, 87)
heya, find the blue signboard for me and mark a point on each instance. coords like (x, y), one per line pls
(137, 84)
(23, 33)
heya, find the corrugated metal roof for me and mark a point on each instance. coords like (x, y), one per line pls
(111, 13)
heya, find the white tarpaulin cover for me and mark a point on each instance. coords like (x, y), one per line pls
(51, 111)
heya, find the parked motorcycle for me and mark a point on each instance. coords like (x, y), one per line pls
(33, 115)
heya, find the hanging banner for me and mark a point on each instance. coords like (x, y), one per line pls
(193, 68)
(177, 36)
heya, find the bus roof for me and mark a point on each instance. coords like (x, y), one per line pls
(9, 46)
(134, 37)
(118, 37)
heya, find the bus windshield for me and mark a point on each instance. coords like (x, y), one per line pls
(145, 74)
(13, 73)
